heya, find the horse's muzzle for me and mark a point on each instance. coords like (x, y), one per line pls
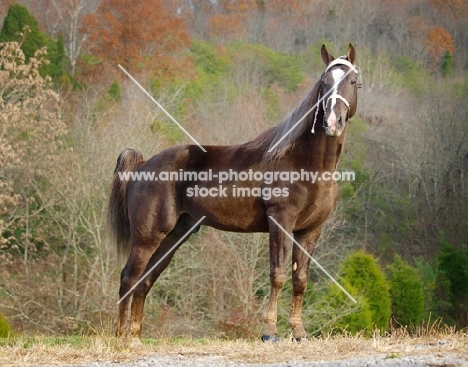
(333, 124)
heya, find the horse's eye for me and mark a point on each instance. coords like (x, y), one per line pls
(353, 82)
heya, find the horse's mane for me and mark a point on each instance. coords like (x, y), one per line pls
(269, 138)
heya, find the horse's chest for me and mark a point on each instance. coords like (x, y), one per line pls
(318, 207)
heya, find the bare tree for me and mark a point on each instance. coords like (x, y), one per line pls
(64, 18)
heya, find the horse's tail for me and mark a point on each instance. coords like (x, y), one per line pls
(117, 216)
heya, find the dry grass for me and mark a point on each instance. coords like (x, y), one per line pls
(35, 351)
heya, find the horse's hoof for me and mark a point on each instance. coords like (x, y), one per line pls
(270, 338)
(303, 339)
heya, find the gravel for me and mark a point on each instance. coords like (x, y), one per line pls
(218, 361)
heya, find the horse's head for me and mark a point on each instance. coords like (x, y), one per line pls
(339, 90)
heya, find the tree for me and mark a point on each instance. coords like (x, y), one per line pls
(21, 26)
(456, 8)
(30, 128)
(406, 291)
(52, 200)
(64, 19)
(361, 272)
(355, 318)
(228, 23)
(447, 64)
(437, 42)
(138, 35)
(452, 284)
(17, 18)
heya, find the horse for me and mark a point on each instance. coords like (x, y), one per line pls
(151, 218)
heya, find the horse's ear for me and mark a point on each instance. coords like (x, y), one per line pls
(326, 56)
(351, 54)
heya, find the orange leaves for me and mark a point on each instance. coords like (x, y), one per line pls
(438, 41)
(138, 34)
(288, 6)
(456, 8)
(228, 25)
(238, 6)
(297, 11)
(232, 20)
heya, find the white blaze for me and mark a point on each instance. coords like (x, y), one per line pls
(337, 75)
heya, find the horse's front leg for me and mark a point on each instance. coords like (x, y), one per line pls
(279, 245)
(300, 276)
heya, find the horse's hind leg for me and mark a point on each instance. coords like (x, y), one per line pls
(140, 254)
(165, 251)
(300, 276)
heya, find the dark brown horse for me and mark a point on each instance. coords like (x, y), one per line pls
(250, 190)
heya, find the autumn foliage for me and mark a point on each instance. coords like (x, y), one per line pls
(437, 42)
(228, 23)
(139, 35)
(456, 8)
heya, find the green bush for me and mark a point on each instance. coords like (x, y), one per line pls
(273, 67)
(427, 270)
(207, 59)
(115, 92)
(361, 272)
(352, 317)
(410, 74)
(5, 328)
(452, 285)
(211, 66)
(406, 292)
(447, 64)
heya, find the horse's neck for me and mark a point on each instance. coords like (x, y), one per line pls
(325, 152)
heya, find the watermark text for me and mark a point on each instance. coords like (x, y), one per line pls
(221, 177)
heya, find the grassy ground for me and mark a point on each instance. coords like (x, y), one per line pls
(34, 351)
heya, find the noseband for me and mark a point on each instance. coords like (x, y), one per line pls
(334, 96)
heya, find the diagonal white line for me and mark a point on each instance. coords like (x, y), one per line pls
(307, 113)
(162, 108)
(315, 261)
(161, 259)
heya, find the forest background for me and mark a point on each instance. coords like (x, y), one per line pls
(227, 70)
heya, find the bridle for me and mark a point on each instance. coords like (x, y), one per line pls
(335, 95)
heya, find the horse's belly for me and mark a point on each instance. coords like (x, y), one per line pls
(243, 214)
